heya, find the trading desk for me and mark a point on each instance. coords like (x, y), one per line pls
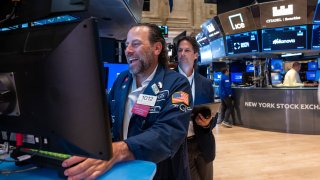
(130, 170)
(290, 110)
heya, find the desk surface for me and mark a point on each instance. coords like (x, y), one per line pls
(130, 170)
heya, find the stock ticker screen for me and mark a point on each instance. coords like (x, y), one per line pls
(242, 43)
(284, 38)
(315, 40)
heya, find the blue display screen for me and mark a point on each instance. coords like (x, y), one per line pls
(211, 30)
(236, 77)
(315, 40)
(311, 75)
(318, 75)
(205, 54)
(217, 48)
(113, 71)
(242, 43)
(217, 77)
(312, 66)
(284, 38)
(250, 68)
(276, 65)
(276, 78)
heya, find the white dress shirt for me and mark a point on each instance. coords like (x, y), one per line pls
(191, 81)
(292, 78)
(134, 93)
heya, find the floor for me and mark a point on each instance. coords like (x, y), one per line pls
(244, 153)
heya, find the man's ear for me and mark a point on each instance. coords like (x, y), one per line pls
(157, 48)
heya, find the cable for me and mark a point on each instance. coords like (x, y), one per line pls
(8, 171)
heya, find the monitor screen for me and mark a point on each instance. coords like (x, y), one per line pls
(236, 77)
(164, 31)
(205, 55)
(113, 70)
(242, 43)
(217, 77)
(316, 18)
(312, 66)
(211, 30)
(311, 75)
(315, 40)
(276, 78)
(202, 39)
(283, 13)
(250, 68)
(317, 75)
(217, 48)
(57, 92)
(284, 38)
(277, 65)
(237, 21)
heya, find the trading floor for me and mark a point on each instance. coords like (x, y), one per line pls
(244, 153)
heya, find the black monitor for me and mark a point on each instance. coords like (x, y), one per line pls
(311, 75)
(52, 89)
(277, 65)
(276, 78)
(243, 43)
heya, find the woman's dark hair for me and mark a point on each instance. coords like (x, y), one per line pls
(155, 35)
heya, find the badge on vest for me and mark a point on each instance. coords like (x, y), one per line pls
(147, 100)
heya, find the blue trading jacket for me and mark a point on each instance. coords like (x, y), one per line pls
(225, 87)
(161, 136)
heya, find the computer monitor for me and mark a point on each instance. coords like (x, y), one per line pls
(217, 77)
(311, 75)
(236, 77)
(112, 72)
(317, 75)
(250, 68)
(52, 89)
(312, 66)
(276, 78)
(276, 65)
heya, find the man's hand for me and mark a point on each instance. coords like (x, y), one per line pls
(88, 168)
(202, 121)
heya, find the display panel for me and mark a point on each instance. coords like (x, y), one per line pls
(164, 31)
(312, 66)
(318, 75)
(113, 70)
(242, 43)
(276, 65)
(236, 77)
(217, 48)
(311, 75)
(315, 40)
(284, 38)
(211, 30)
(217, 77)
(283, 13)
(237, 21)
(276, 78)
(250, 68)
(202, 39)
(316, 19)
(205, 55)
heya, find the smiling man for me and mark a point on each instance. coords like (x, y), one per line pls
(150, 108)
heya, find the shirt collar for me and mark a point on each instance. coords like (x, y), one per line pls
(146, 82)
(190, 78)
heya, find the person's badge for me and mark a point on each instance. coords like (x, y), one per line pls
(155, 89)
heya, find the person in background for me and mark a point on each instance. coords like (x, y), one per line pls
(201, 142)
(150, 108)
(292, 77)
(225, 92)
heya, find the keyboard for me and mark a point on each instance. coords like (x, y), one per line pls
(41, 158)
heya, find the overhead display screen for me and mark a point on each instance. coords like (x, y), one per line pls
(242, 43)
(211, 30)
(283, 13)
(202, 39)
(205, 54)
(285, 38)
(237, 21)
(315, 40)
(217, 48)
(316, 19)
